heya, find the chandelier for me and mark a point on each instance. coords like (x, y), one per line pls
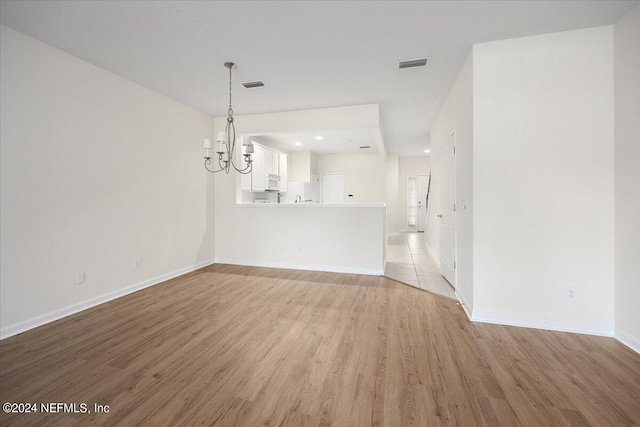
(227, 143)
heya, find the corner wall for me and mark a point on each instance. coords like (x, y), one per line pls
(543, 181)
(627, 178)
(96, 171)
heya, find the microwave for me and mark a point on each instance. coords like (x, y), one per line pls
(272, 182)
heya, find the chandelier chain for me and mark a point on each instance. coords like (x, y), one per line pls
(230, 107)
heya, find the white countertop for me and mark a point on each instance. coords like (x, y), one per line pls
(311, 205)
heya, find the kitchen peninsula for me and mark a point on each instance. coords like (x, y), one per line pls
(344, 238)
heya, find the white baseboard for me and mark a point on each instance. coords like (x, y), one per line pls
(26, 325)
(308, 267)
(537, 323)
(433, 255)
(629, 340)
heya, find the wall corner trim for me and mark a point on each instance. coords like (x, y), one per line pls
(26, 325)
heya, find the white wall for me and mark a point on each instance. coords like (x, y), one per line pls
(627, 178)
(96, 171)
(456, 114)
(393, 171)
(543, 180)
(370, 178)
(313, 160)
(299, 166)
(366, 174)
(409, 166)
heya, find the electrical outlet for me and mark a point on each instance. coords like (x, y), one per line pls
(80, 279)
(572, 293)
(137, 264)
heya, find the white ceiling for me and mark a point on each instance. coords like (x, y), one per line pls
(332, 142)
(310, 54)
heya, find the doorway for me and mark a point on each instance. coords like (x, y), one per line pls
(423, 186)
(417, 187)
(333, 187)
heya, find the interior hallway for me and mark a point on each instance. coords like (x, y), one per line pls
(408, 261)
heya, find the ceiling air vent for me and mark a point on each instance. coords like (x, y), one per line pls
(251, 85)
(411, 63)
(365, 146)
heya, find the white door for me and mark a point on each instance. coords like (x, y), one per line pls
(333, 187)
(423, 184)
(448, 213)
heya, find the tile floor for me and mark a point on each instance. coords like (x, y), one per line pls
(409, 261)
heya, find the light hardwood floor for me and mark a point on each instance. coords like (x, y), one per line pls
(245, 346)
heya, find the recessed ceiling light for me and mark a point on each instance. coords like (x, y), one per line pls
(318, 137)
(298, 143)
(427, 151)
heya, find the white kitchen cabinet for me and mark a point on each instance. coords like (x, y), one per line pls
(245, 181)
(258, 172)
(265, 161)
(271, 161)
(268, 160)
(275, 163)
(283, 169)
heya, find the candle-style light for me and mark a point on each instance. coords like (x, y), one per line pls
(207, 147)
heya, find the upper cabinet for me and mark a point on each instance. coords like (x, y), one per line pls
(265, 161)
(276, 162)
(257, 173)
(271, 161)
